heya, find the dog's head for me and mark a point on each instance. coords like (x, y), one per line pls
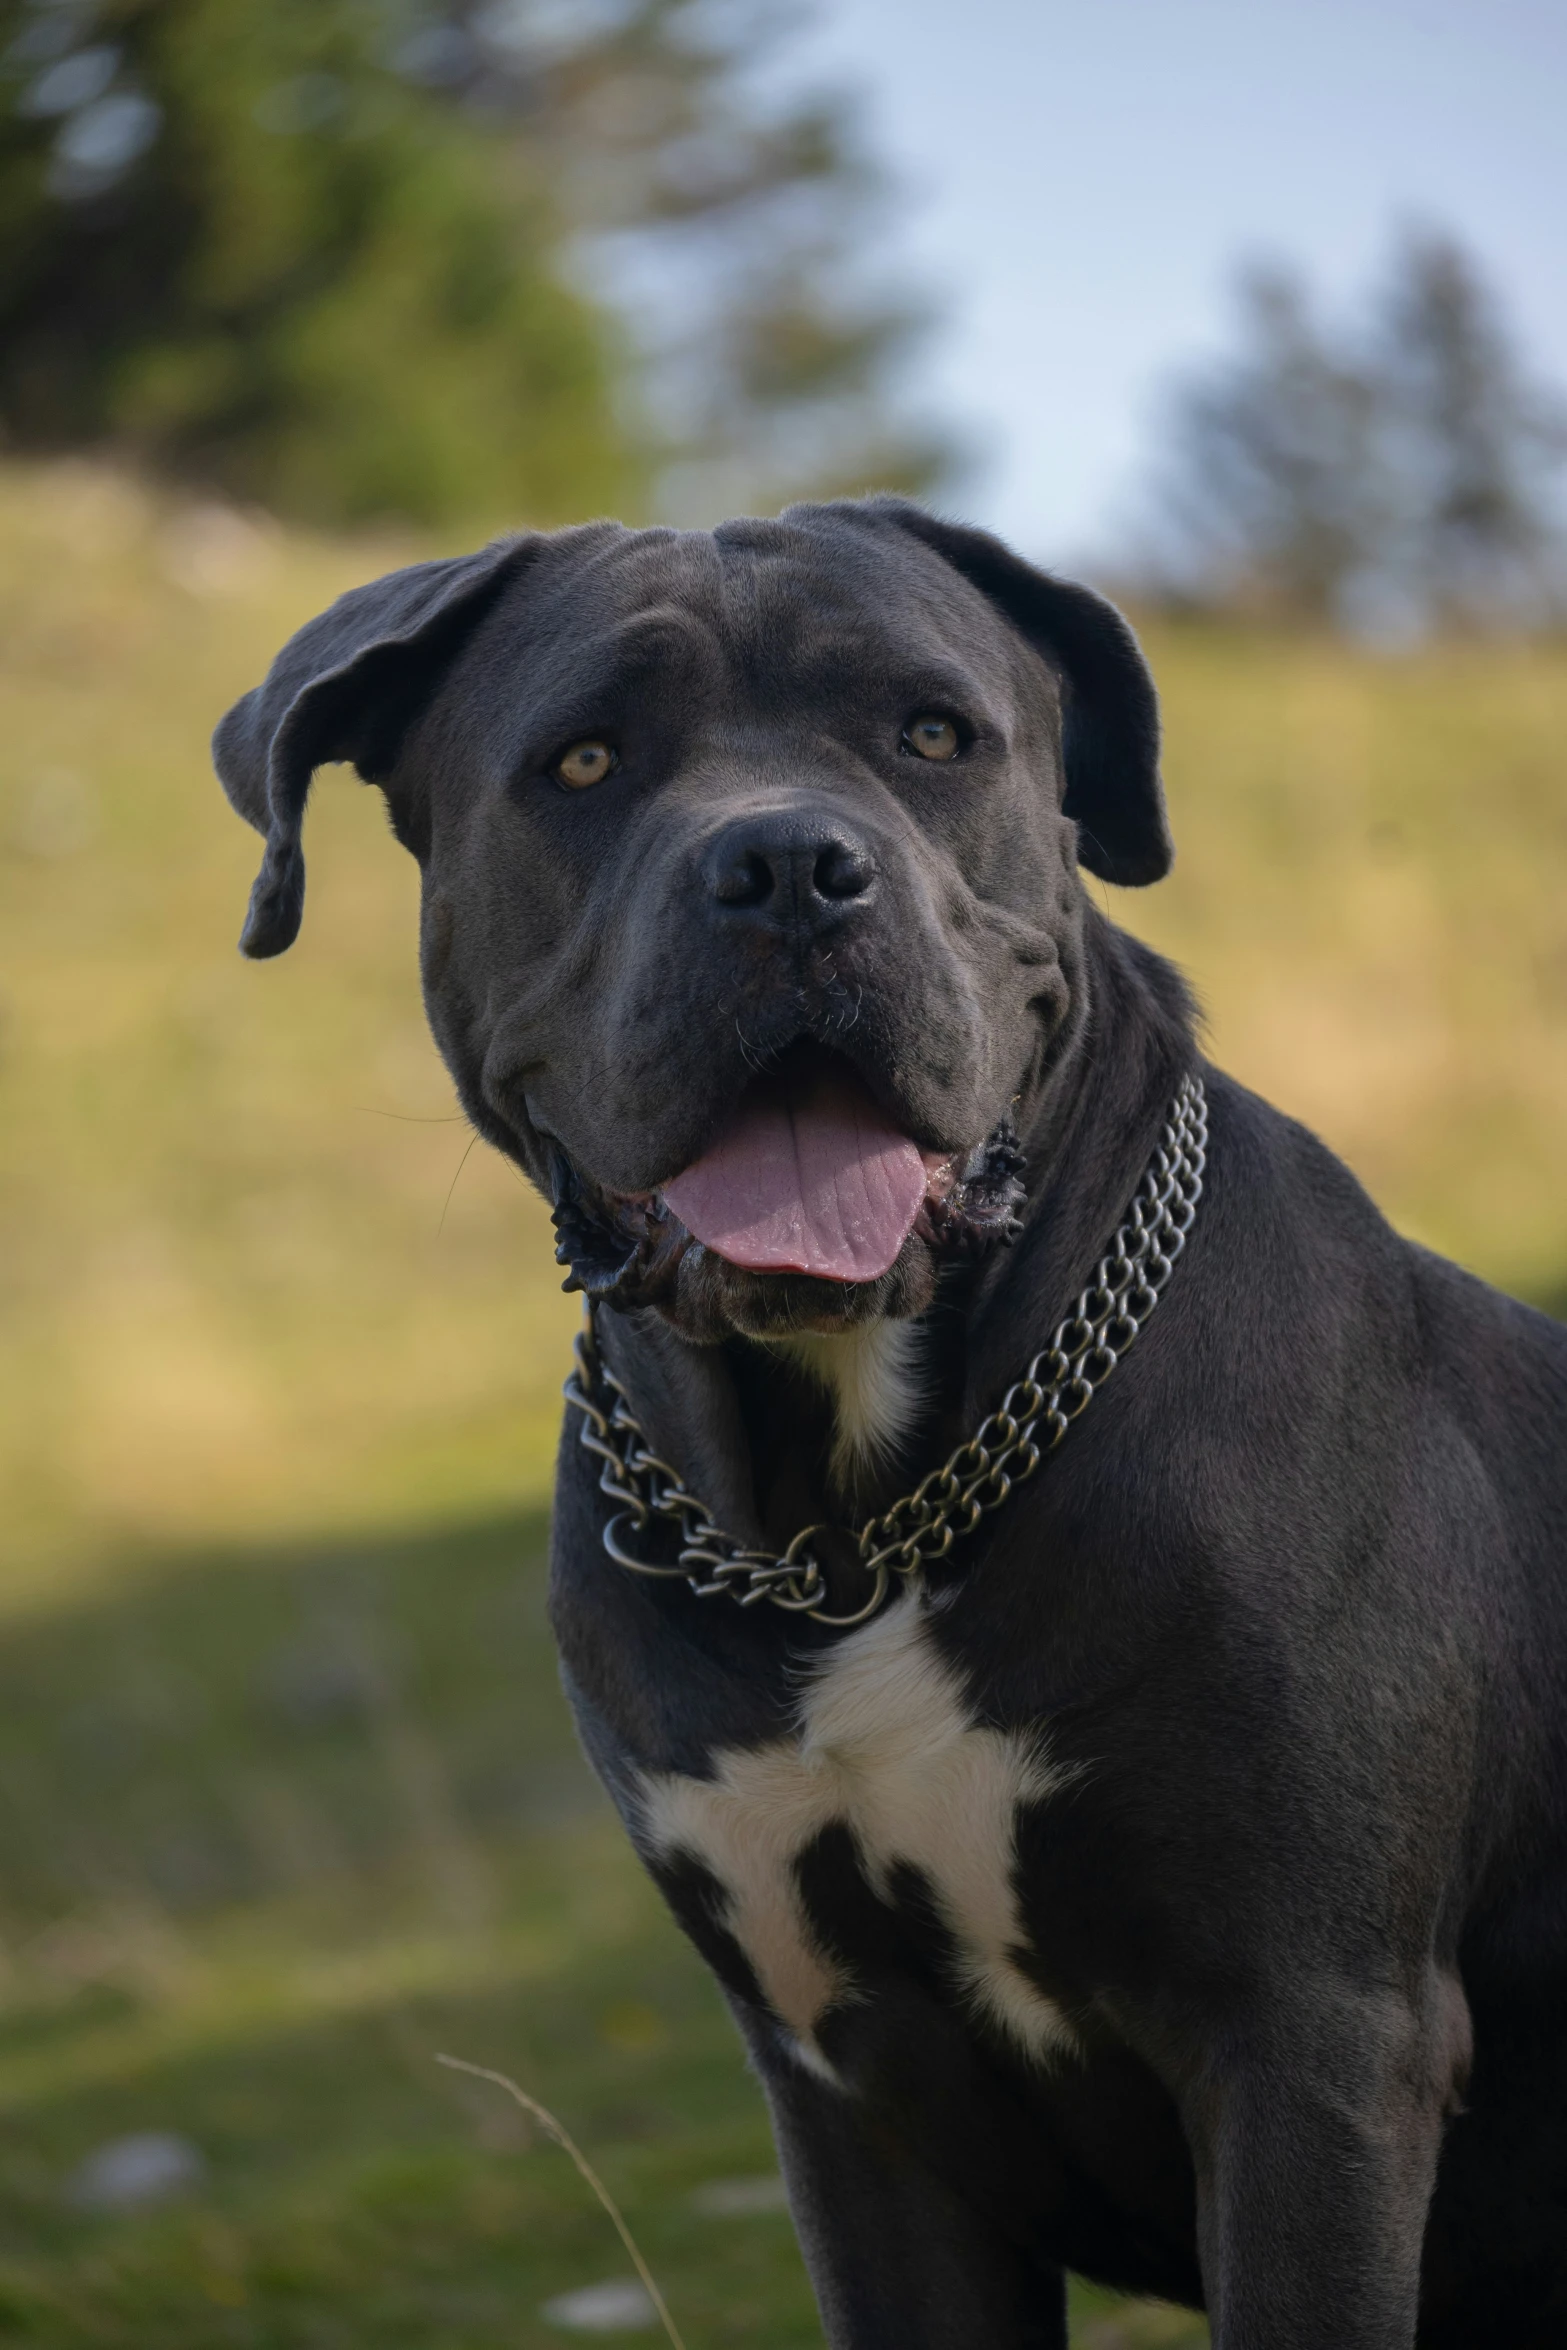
(751, 902)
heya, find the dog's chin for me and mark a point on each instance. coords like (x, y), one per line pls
(633, 1253)
(713, 1299)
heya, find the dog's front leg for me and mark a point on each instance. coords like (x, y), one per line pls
(898, 2259)
(1316, 2149)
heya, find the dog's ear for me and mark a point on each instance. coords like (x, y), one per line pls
(346, 687)
(1111, 718)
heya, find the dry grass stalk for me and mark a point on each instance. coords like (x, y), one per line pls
(563, 2138)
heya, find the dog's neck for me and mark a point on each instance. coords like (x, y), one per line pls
(780, 1434)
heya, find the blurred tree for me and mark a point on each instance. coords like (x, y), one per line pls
(727, 217)
(1469, 444)
(1272, 463)
(1392, 476)
(376, 257)
(233, 243)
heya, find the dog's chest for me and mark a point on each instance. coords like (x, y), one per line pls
(887, 1749)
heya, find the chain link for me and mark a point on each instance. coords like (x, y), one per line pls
(1004, 1451)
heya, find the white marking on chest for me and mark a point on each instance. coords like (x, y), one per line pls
(885, 1747)
(871, 1371)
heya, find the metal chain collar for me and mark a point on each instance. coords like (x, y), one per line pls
(1004, 1450)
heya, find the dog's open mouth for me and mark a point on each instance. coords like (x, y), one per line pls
(809, 1181)
(809, 1176)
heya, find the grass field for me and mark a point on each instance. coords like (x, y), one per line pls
(288, 1802)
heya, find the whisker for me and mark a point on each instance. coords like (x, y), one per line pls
(462, 1162)
(408, 1117)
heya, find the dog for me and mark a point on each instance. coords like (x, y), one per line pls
(1125, 1808)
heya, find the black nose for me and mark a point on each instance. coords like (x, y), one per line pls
(789, 866)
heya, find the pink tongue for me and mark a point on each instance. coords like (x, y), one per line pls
(808, 1178)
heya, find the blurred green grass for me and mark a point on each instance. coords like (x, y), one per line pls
(288, 1800)
(276, 1826)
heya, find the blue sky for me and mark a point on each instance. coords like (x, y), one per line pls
(1077, 182)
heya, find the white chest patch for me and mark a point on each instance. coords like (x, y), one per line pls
(872, 1373)
(885, 1748)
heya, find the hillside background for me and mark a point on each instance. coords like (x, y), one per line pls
(288, 1799)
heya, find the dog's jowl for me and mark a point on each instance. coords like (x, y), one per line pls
(1072, 1608)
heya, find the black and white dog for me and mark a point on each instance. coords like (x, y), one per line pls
(1169, 1882)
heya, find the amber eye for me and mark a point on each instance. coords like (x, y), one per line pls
(930, 737)
(585, 763)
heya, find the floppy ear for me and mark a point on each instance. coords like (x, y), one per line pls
(346, 687)
(1111, 745)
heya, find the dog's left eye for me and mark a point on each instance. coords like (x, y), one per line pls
(585, 763)
(931, 737)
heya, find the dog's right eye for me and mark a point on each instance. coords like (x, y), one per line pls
(584, 764)
(931, 736)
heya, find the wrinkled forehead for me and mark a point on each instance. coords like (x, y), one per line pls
(767, 609)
